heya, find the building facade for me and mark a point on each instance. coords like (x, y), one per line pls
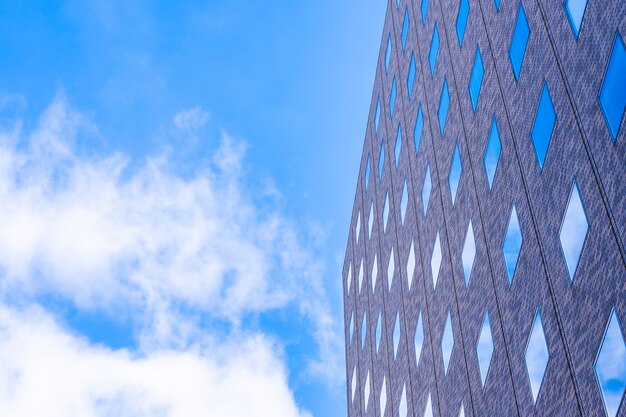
(485, 269)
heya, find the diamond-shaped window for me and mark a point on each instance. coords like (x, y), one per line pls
(349, 276)
(383, 397)
(497, 2)
(402, 408)
(398, 146)
(512, 244)
(469, 253)
(392, 97)
(543, 125)
(484, 348)
(381, 159)
(456, 168)
(419, 338)
(357, 229)
(388, 53)
(575, 12)
(386, 212)
(404, 201)
(410, 80)
(462, 412)
(612, 97)
(366, 394)
(391, 268)
(461, 20)
(405, 27)
(444, 103)
(417, 131)
(351, 327)
(492, 154)
(573, 230)
(519, 42)
(428, 412)
(353, 383)
(611, 366)
(447, 343)
(476, 79)
(370, 221)
(434, 50)
(374, 273)
(424, 10)
(396, 336)
(378, 331)
(377, 115)
(426, 189)
(361, 275)
(367, 171)
(410, 264)
(363, 330)
(435, 260)
(537, 356)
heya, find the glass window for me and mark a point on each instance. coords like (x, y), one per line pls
(396, 335)
(543, 125)
(469, 253)
(392, 97)
(370, 221)
(417, 131)
(434, 50)
(363, 330)
(353, 383)
(383, 397)
(497, 2)
(520, 39)
(357, 229)
(454, 177)
(476, 79)
(435, 261)
(378, 331)
(611, 365)
(444, 103)
(428, 412)
(391, 269)
(388, 53)
(385, 212)
(512, 244)
(419, 338)
(381, 159)
(374, 273)
(410, 264)
(424, 10)
(411, 77)
(537, 356)
(361, 275)
(351, 327)
(461, 20)
(402, 409)
(462, 412)
(573, 230)
(405, 28)
(484, 348)
(613, 93)
(366, 394)
(492, 154)
(349, 277)
(426, 189)
(404, 201)
(367, 171)
(377, 115)
(575, 12)
(447, 343)
(398, 146)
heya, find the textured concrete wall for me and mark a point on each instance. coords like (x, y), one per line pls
(574, 313)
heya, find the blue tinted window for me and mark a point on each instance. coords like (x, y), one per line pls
(575, 12)
(405, 27)
(444, 103)
(419, 126)
(398, 146)
(497, 2)
(378, 332)
(611, 366)
(461, 20)
(377, 115)
(447, 343)
(434, 50)
(419, 338)
(469, 253)
(426, 189)
(455, 172)
(613, 94)
(492, 154)
(392, 97)
(476, 79)
(543, 125)
(388, 53)
(520, 39)
(512, 244)
(573, 230)
(411, 77)
(484, 349)
(435, 261)
(367, 171)
(537, 356)
(424, 10)
(396, 335)
(363, 330)
(404, 201)
(381, 159)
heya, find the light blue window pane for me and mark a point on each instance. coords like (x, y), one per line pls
(398, 146)
(397, 3)
(367, 171)
(424, 10)
(392, 97)
(388, 53)
(573, 230)
(455, 172)
(434, 50)
(426, 189)
(447, 343)
(435, 261)
(537, 356)
(613, 94)
(492, 154)
(484, 348)
(444, 103)
(411, 77)
(404, 201)
(461, 20)
(520, 39)
(381, 159)
(543, 125)
(351, 327)
(575, 12)
(512, 244)
(469, 253)
(476, 79)
(377, 115)
(378, 332)
(419, 126)
(363, 331)
(611, 366)
(405, 27)
(497, 2)
(396, 336)
(419, 339)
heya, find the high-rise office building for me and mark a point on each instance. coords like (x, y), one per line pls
(485, 270)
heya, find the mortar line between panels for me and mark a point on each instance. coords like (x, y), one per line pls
(535, 227)
(594, 166)
(427, 106)
(480, 215)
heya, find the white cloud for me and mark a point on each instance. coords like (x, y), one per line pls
(191, 119)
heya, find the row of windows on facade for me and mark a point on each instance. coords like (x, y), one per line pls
(610, 365)
(612, 97)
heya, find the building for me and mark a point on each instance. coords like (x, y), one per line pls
(485, 270)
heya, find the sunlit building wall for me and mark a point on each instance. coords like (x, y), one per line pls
(485, 269)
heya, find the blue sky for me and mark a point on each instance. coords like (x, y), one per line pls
(177, 183)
